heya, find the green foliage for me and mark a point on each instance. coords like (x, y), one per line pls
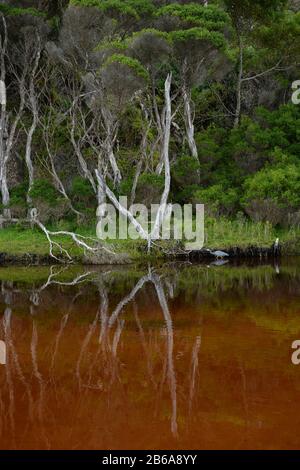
(254, 9)
(14, 11)
(185, 179)
(218, 200)
(116, 45)
(156, 181)
(266, 132)
(152, 31)
(18, 195)
(133, 8)
(129, 62)
(280, 184)
(252, 168)
(185, 170)
(149, 189)
(193, 14)
(83, 196)
(199, 34)
(44, 191)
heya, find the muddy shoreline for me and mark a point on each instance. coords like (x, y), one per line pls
(250, 252)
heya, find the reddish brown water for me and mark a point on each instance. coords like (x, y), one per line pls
(198, 358)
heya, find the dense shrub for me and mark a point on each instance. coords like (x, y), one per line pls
(18, 200)
(273, 193)
(50, 205)
(218, 200)
(149, 189)
(185, 171)
(83, 196)
(185, 179)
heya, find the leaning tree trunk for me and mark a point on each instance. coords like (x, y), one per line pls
(164, 198)
(189, 123)
(109, 150)
(165, 157)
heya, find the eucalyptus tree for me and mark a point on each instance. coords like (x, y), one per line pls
(154, 233)
(109, 78)
(153, 48)
(19, 68)
(198, 35)
(247, 16)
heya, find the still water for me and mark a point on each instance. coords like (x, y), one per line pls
(179, 356)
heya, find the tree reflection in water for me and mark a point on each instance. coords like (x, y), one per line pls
(89, 352)
(110, 328)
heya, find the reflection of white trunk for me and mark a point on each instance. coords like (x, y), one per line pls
(117, 337)
(41, 382)
(169, 327)
(194, 368)
(103, 339)
(144, 344)
(92, 329)
(170, 347)
(127, 299)
(8, 369)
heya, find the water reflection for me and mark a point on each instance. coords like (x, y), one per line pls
(177, 356)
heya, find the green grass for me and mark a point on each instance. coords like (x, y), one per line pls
(219, 233)
(18, 242)
(225, 233)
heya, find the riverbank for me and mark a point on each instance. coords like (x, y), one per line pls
(23, 246)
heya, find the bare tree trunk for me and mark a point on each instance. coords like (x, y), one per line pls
(165, 158)
(111, 135)
(51, 165)
(170, 348)
(7, 134)
(34, 109)
(159, 126)
(83, 165)
(165, 154)
(189, 124)
(239, 85)
(3, 121)
(135, 181)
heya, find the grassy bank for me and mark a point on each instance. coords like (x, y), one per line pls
(219, 233)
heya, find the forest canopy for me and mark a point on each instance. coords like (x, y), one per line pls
(85, 86)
